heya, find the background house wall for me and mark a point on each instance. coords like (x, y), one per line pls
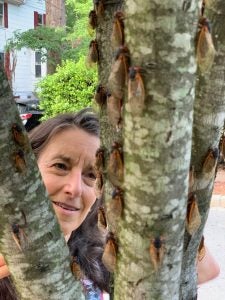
(22, 17)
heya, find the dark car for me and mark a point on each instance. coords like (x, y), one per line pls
(29, 113)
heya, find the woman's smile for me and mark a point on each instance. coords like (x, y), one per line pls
(65, 206)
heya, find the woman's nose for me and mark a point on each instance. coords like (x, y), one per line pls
(73, 185)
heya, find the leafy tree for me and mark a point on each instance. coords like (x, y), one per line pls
(78, 31)
(69, 89)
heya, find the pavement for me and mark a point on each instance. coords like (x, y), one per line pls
(214, 234)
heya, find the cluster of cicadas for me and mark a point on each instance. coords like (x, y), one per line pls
(124, 80)
(200, 180)
(114, 169)
(122, 76)
(205, 47)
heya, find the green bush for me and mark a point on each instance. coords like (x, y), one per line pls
(71, 88)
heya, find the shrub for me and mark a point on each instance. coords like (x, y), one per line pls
(71, 88)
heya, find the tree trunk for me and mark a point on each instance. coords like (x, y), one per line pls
(55, 17)
(209, 114)
(157, 150)
(31, 241)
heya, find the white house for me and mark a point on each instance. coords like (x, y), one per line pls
(22, 15)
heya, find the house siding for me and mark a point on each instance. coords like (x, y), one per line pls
(21, 17)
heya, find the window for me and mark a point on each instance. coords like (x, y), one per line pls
(39, 19)
(1, 60)
(37, 64)
(1, 14)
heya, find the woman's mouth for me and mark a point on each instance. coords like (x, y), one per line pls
(65, 206)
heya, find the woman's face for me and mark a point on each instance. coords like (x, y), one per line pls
(66, 164)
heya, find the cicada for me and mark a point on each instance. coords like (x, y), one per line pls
(19, 136)
(109, 254)
(19, 235)
(92, 19)
(157, 250)
(119, 73)
(19, 161)
(99, 184)
(99, 8)
(201, 249)
(115, 208)
(102, 222)
(205, 47)
(136, 91)
(115, 165)
(76, 269)
(191, 178)
(99, 160)
(100, 95)
(93, 54)
(222, 146)
(210, 163)
(114, 111)
(117, 36)
(193, 218)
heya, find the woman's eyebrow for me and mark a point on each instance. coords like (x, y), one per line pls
(63, 157)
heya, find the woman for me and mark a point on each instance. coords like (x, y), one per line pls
(65, 148)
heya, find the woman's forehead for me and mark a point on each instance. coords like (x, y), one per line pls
(72, 141)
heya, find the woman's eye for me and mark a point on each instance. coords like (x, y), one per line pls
(60, 166)
(92, 175)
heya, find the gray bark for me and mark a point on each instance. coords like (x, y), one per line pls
(209, 114)
(37, 256)
(157, 149)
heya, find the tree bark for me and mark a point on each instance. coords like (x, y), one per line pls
(209, 114)
(30, 240)
(157, 147)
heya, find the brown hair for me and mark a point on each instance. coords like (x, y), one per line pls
(84, 119)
